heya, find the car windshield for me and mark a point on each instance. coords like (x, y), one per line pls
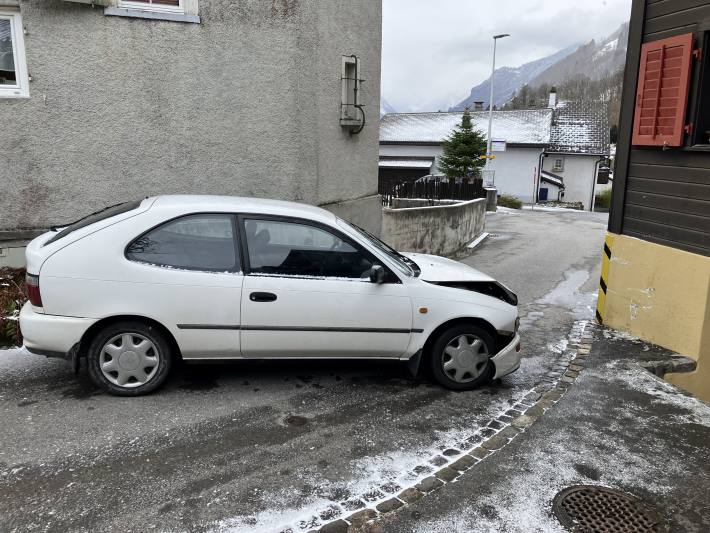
(404, 263)
(92, 218)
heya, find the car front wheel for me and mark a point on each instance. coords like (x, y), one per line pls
(129, 359)
(461, 357)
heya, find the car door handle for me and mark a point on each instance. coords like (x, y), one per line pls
(262, 297)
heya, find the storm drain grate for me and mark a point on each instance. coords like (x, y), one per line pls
(590, 509)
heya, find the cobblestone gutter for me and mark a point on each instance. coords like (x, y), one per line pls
(361, 513)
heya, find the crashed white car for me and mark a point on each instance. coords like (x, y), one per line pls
(136, 286)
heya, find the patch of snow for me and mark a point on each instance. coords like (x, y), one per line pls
(607, 48)
(616, 335)
(558, 347)
(551, 209)
(662, 392)
(479, 240)
(504, 211)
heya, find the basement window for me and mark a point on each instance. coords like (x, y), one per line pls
(14, 81)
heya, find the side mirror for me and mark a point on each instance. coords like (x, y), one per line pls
(377, 274)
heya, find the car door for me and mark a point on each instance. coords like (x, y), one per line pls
(307, 293)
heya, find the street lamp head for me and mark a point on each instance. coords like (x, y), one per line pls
(501, 36)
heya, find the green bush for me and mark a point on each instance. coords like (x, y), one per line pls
(604, 199)
(12, 298)
(505, 200)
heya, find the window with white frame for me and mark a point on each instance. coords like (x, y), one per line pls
(14, 81)
(559, 165)
(172, 6)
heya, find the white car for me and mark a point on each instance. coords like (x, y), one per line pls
(136, 286)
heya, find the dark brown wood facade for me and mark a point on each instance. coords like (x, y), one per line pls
(663, 195)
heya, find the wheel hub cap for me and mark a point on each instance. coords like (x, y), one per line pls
(129, 360)
(465, 358)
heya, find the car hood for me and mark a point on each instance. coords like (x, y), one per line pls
(436, 269)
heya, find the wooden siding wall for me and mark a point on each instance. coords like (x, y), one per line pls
(661, 196)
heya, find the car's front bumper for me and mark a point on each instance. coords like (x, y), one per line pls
(508, 359)
(53, 336)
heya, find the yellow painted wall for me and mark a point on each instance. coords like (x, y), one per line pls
(662, 295)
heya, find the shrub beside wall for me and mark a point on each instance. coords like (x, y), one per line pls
(12, 298)
(505, 200)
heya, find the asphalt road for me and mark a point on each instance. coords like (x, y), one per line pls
(262, 446)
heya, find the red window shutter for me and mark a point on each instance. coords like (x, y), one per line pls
(662, 95)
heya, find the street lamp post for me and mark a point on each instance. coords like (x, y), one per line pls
(490, 101)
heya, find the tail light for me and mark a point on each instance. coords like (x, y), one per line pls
(32, 283)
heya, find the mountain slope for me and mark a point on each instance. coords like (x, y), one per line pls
(509, 80)
(593, 60)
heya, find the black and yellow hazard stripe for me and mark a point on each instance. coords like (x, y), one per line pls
(604, 281)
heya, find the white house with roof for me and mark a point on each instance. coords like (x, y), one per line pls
(411, 146)
(579, 144)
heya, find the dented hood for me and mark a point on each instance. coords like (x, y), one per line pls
(435, 268)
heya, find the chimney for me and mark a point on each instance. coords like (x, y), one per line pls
(553, 98)
(478, 106)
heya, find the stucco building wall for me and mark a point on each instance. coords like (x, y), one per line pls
(578, 175)
(245, 103)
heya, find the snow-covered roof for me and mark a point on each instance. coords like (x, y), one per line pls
(525, 126)
(405, 163)
(580, 127)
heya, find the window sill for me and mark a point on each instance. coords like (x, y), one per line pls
(153, 15)
(7, 95)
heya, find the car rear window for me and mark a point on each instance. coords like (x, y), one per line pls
(93, 218)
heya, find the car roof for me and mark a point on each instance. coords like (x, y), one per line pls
(237, 204)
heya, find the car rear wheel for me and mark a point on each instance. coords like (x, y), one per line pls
(129, 358)
(461, 357)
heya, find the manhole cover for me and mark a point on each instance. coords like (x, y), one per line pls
(591, 509)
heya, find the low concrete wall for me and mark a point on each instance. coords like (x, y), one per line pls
(438, 230)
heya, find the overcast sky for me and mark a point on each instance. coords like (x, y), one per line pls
(434, 51)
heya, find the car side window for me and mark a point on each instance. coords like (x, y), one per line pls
(292, 249)
(195, 242)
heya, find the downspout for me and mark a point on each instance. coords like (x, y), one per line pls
(594, 183)
(539, 176)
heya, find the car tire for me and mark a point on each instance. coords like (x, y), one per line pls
(129, 358)
(460, 357)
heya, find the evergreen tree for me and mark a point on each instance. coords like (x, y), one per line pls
(463, 149)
